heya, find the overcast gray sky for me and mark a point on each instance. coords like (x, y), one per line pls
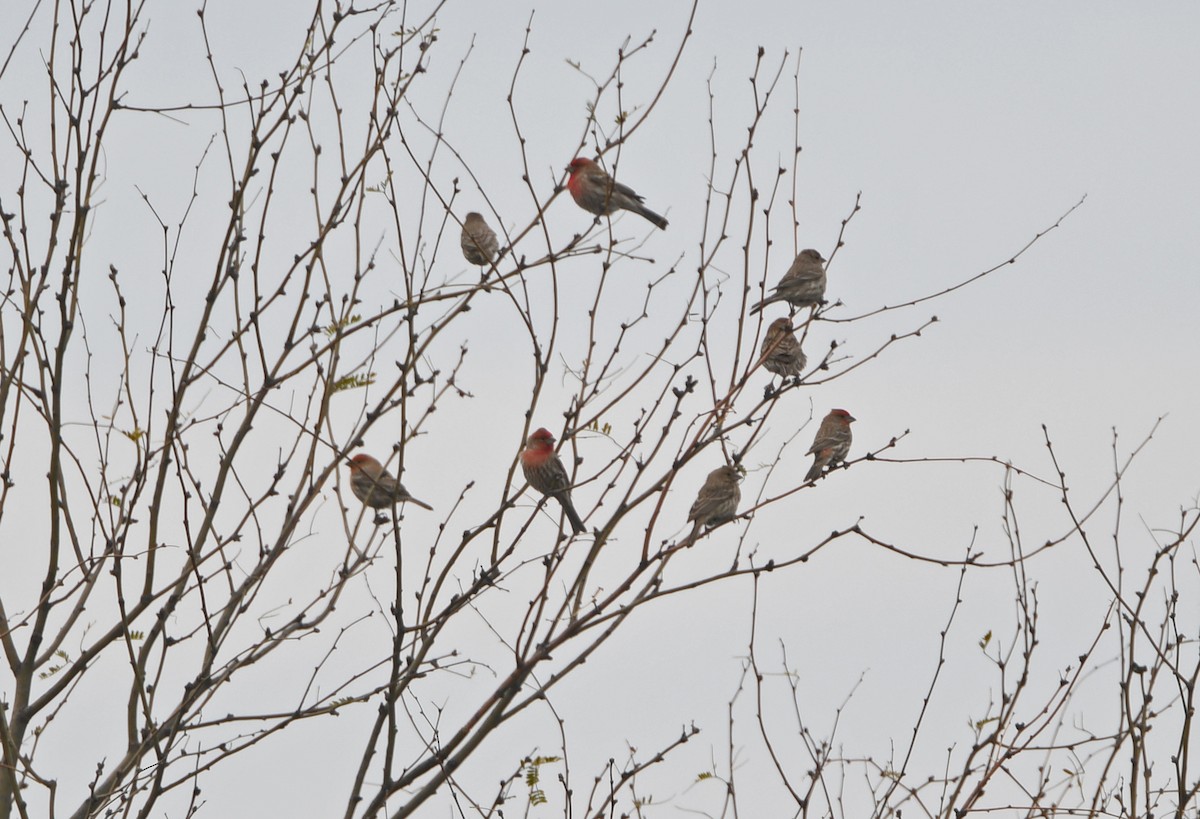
(967, 128)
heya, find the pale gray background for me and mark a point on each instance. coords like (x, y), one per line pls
(967, 127)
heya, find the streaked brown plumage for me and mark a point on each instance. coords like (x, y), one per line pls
(803, 285)
(479, 242)
(717, 501)
(375, 486)
(781, 353)
(596, 192)
(832, 443)
(546, 473)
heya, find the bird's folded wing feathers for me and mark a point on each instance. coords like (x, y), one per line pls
(626, 190)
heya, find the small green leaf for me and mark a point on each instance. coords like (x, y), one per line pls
(353, 382)
(332, 329)
(533, 776)
(54, 669)
(980, 723)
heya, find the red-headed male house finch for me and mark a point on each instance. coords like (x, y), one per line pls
(479, 243)
(717, 501)
(596, 192)
(546, 473)
(802, 286)
(832, 443)
(781, 353)
(375, 486)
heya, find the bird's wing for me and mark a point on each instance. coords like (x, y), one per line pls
(597, 178)
(625, 190)
(824, 440)
(558, 473)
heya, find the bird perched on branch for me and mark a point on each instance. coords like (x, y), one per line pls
(717, 501)
(479, 242)
(375, 486)
(803, 285)
(596, 192)
(781, 353)
(832, 443)
(546, 473)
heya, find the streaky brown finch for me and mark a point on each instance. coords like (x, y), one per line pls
(717, 501)
(803, 285)
(375, 486)
(781, 353)
(478, 241)
(832, 444)
(597, 192)
(546, 473)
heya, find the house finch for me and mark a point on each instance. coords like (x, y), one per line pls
(781, 353)
(832, 443)
(717, 501)
(375, 486)
(802, 286)
(596, 192)
(546, 473)
(479, 243)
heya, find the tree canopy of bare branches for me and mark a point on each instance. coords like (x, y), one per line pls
(227, 279)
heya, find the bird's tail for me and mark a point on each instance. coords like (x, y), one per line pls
(645, 212)
(815, 471)
(758, 307)
(421, 503)
(572, 515)
(691, 538)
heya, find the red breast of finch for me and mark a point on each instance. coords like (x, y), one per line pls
(717, 501)
(802, 286)
(781, 353)
(479, 243)
(596, 192)
(546, 473)
(375, 486)
(832, 443)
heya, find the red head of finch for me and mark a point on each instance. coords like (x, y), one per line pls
(597, 192)
(546, 473)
